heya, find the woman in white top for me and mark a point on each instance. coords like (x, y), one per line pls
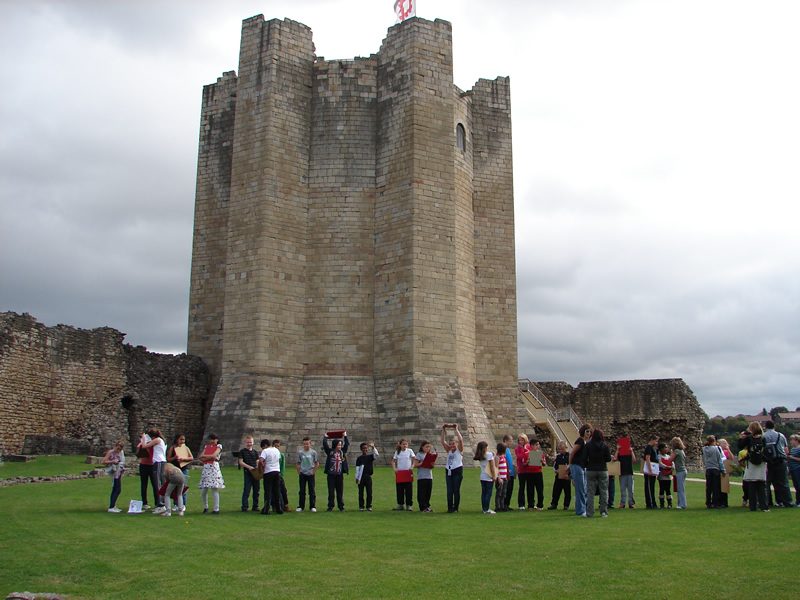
(488, 475)
(454, 468)
(159, 446)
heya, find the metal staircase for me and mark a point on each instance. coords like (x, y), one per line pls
(562, 423)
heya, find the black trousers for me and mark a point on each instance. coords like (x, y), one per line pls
(405, 493)
(650, 491)
(756, 490)
(509, 490)
(310, 481)
(424, 489)
(335, 486)
(250, 484)
(272, 492)
(536, 482)
(560, 485)
(365, 485)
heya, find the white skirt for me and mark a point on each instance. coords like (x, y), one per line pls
(212, 476)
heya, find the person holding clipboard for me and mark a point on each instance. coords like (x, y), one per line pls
(426, 457)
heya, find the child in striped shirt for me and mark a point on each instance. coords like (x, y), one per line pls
(501, 484)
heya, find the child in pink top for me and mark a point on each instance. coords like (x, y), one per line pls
(523, 470)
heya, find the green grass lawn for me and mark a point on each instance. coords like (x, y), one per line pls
(58, 537)
(46, 466)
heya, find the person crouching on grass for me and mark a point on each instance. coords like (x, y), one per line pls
(176, 481)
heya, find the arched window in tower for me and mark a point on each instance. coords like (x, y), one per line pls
(461, 138)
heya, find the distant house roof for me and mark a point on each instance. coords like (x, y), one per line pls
(790, 416)
(758, 418)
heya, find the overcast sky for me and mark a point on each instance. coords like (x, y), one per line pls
(656, 172)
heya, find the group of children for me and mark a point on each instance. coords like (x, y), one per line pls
(662, 463)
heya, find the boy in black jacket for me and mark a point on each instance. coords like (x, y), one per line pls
(364, 479)
(562, 458)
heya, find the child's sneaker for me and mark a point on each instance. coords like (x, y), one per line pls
(622, 506)
(166, 513)
(409, 509)
(114, 509)
(180, 513)
(399, 507)
(298, 509)
(631, 506)
(313, 510)
(552, 507)
(146, 507)
(489, 512)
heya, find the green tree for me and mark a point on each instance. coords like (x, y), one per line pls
(778, 409)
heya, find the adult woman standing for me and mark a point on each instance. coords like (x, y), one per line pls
(577, 468)
(755, 474)
(712, 462)
(159, 446)
(521, 453)
(598, 455)
(679, 463)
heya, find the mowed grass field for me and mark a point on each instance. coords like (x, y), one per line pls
(58, 537)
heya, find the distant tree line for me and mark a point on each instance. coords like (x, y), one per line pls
(731, 427)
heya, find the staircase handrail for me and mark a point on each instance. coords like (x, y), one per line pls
(559, 414)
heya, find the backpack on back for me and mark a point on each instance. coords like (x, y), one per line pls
(770, 451)
(755, 454)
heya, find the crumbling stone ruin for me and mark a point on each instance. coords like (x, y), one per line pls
(76, 391)
(635, 409)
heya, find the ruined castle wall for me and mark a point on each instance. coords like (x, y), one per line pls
(664, 407)
(65, 390)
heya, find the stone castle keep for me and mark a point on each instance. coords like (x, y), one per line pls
(353, 261)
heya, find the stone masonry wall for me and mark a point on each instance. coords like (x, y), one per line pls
(636, 409)
(72, 390)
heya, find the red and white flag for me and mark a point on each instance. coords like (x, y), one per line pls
(405, 9)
